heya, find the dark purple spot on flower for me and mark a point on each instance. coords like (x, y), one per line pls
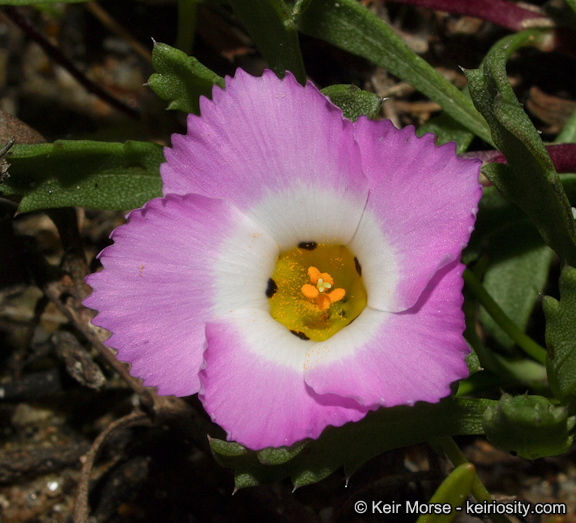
(300, 335)
(271, 288)
(309, 246)
(358, 266)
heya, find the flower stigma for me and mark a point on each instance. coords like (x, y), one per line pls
(316, 290)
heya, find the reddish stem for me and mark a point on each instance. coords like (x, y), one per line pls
(499, 12)
(562, 155)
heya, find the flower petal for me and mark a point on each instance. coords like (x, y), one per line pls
(178, 262)
(282, 153)
(420, 213)
(397, 358)
(252, 384)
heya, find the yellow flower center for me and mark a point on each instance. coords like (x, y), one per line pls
(311, 303)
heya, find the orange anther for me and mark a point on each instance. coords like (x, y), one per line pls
(336, 295)
(321, 281)
(323, 301)
(309, 291)
(313, 274)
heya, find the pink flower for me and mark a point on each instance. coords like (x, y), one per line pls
(299, 271)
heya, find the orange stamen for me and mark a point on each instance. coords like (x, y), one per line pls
(310, 291)
(336, 295)
(313, 274)
(326, 299)
(323, 301)
(322, 281)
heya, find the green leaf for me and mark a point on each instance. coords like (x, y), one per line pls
(527, 344)
(270, 25)
(529, 180)
(447, 130)
(568, 132)
(561, 338)
(82, 173)
(530, 426)
(278, 456)
(495, 371)
(353, 101)
(497, 214)
(300, 6)
(453, 491)
(473, 363)
(181, 79)
(351, 26)
(353, 444)
(249, 470)
(516, 274)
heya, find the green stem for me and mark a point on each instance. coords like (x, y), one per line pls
(300, 7)
(568, 132)
(527, 344)
(447, 446)
(186, 25)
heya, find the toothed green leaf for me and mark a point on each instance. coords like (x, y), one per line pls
(98, 175)
(529, 180)
(353, 444)
(351, 26)
(353, 101)
(561, 338)
(530, 426)
(181, 79)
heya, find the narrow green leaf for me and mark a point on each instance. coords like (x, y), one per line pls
(561, 339)
(516, 274)
(353, 444)
(181, 79)
(453, 491)
(529, 180)
(82, 173)
(527, 344)
(492, 369)
(270, 25)
(349, 25)
(353, 101)
(568, 132)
